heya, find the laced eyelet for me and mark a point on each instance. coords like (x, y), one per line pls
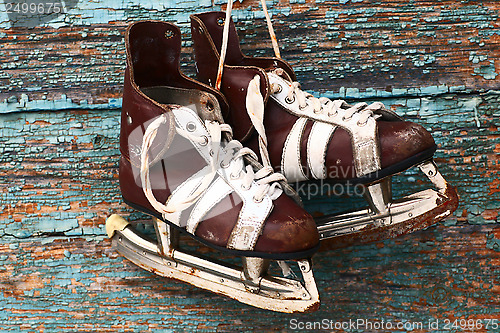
(204, 143)
(257, 201)
(191, 127)
(317, 111)
(332, 114)
(210, 106)
(224, 166)
(290, 100)
(245, 188)
(362, 124)
(280, 89)
(346, 119)
(211, 152)
(235, 176)
(304, 107)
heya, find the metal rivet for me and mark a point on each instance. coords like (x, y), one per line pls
(257, 201)
(278, 294)
(220, 21)
(129, 119)
(169, 34)
(119, 239)
(410, 214)
(221, 280)
(200, 29)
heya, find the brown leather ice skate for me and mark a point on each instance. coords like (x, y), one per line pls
(180, 165)
(320, 139)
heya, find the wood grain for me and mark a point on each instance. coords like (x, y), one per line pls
(433, 62)
(80, 284)
(422, 47)
(60, 168)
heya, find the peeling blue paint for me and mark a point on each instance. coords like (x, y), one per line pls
(63, 103)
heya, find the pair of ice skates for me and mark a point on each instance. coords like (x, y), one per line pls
(186, 163)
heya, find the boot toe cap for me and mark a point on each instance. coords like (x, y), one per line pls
(289, 228)
(401, 140)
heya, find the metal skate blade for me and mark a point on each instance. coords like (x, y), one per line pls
(406, 215)
(272, 293)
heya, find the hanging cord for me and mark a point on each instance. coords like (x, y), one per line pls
(270, 29)
(225, 39)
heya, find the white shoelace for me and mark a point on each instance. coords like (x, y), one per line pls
(255, 108)
(225, 38)
(325, 105)
(265, 178)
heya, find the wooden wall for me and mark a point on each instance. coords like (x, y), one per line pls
(434, 62)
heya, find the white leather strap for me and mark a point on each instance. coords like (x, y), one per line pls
(253, 214)
(290, 160)
(363, 137)
(317, 144)
(366, 151)
(184, 190)
(217, 191)
(225, 173)
(252, 217)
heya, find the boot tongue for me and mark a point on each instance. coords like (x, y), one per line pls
(279, 77)
(204, 104)
(209, 108)
(280, 72)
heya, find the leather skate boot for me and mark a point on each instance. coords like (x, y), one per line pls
(180, 165)
(312, 138)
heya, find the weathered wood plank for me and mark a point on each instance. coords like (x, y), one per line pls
(396, 48)
(435, 62)
(79, 284)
